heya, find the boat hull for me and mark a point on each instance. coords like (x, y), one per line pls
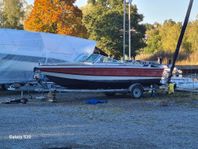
(101, 77)
(101, 84)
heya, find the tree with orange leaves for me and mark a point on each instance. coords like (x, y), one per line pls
(56, 16)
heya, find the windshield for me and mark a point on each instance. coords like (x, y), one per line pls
(93, 58)
(104, 59)
(97, 58)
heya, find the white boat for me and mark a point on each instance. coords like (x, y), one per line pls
(21, 51)
(185, 83)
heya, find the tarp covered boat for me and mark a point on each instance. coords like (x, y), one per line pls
(21, 51)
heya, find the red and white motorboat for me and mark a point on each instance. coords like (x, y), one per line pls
(99, 72)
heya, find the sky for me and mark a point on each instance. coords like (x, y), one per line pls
(159, 10)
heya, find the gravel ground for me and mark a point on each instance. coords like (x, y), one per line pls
(120, 123)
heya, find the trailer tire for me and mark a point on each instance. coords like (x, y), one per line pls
(136, 91)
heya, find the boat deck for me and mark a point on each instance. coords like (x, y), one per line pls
(188, 69)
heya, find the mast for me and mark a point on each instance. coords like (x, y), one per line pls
(130, 1)
(180, 39)
(124, 29)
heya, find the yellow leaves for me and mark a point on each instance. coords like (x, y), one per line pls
(56, 16)
(169, 34)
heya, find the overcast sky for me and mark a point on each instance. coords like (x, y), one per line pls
(159, 10)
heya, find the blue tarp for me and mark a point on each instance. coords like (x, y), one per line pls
(95, 101)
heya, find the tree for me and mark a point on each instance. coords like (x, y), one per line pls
(192, 37)
(169, 33)
(56, 16)
(12, 14)
(162, 38)
(153, 39)
(105, 3)
(27, 8)
(1, 12)
(104, 22)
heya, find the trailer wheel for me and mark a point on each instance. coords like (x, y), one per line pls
(136, 91)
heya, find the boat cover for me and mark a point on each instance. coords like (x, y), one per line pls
(21, 51)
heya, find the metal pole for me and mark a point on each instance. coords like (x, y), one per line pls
(180, 39)
(130, 1)
(124, 29)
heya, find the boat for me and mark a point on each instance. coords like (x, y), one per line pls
(21, 51)
(185, 83)
(100, 72)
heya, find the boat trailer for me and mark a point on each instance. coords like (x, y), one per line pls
(135, 90)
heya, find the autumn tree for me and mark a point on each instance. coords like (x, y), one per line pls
(164, 37)
(161, 40)
(1, 12)
(104, 22)
(191, 37)
(153, 39)
(169, 33)
(11, 14)
(56, 16)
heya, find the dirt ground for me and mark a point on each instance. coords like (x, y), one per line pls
(158, 122)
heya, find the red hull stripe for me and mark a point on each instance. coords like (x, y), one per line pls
(107, 71)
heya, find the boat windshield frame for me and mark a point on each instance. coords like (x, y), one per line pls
(97, 58)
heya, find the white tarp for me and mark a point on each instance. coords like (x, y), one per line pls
(21, 51)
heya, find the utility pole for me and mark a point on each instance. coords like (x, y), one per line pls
(124, 30)
(130, 1)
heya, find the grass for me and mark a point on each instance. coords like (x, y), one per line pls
(177, 97)
(191, 60)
